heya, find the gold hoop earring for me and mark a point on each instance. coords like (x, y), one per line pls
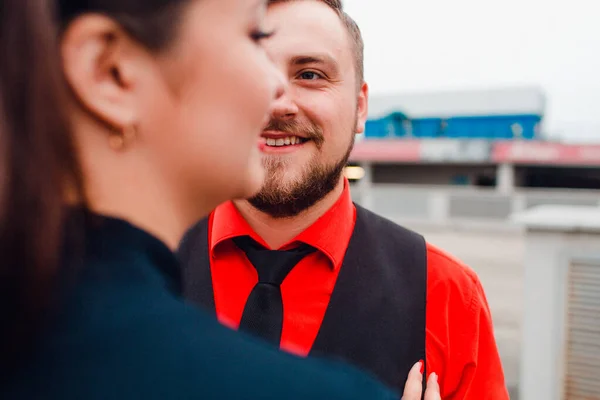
(120, 141)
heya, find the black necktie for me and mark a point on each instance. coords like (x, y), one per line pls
(263, 313)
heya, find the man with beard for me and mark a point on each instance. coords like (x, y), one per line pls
(302, 267)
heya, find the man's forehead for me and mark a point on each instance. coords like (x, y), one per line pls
(306, 27)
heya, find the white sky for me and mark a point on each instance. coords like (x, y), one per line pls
(424, 45)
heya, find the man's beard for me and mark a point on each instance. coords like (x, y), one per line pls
(281, 199)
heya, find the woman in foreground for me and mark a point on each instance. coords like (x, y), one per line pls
(152, 122)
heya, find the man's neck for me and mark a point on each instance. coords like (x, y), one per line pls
(278, 231)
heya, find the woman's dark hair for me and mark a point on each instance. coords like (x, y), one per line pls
(152, 22)
(38, 162)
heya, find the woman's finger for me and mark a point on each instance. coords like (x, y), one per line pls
(414, 383)
(433, 388)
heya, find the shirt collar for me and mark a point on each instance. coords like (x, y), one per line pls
(330, 234)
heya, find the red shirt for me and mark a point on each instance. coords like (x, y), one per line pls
(460, 345)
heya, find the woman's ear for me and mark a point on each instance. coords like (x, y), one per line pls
(100, 65)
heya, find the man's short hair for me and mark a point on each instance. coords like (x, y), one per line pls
(352, 29)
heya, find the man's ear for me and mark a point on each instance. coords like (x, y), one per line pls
(100, 63)
(362, 108)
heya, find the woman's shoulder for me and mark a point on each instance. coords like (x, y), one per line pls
(132, 343)
(203, 356)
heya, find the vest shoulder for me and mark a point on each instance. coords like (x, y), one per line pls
(442, 267)
(385, 225)
(190, 238)
(196, 229)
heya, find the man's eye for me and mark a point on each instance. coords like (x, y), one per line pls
(310, 75)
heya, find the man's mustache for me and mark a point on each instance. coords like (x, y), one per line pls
(294, 127)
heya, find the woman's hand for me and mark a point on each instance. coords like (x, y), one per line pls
(414, 385)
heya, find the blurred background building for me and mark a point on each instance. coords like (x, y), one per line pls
(484, 151)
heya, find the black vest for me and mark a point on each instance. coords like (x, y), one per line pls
(376, 316)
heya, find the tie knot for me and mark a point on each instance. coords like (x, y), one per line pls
(272, 266)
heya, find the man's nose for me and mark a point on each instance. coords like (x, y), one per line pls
(284, 107)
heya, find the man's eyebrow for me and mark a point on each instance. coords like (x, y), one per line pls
(320, 58)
